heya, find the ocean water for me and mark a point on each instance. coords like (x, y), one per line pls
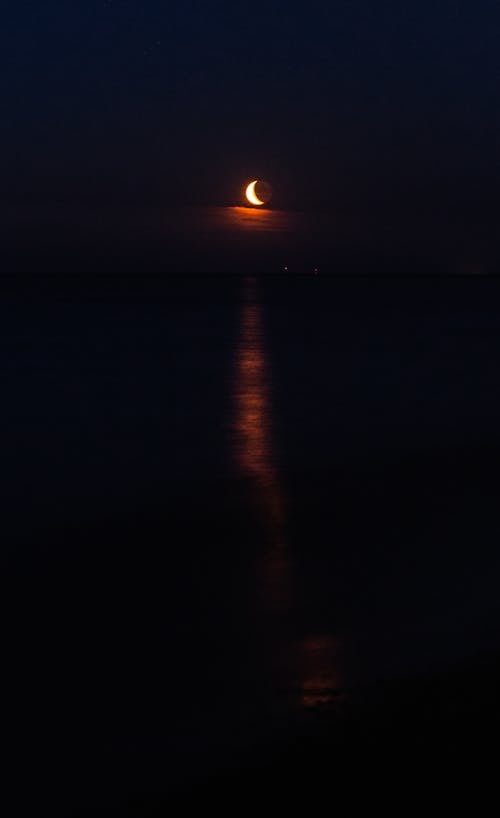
(231, 502)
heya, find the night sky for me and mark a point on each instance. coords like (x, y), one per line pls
(184, 99)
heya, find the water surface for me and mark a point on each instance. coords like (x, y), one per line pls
(230, 503)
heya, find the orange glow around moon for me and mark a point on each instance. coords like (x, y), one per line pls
(252, 196)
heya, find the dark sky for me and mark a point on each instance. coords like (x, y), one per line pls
(140, 97)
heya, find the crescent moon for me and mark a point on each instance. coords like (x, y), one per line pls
(251, 194)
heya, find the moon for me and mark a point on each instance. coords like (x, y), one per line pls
(252, 196)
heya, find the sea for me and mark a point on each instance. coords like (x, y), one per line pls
(233, 505)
